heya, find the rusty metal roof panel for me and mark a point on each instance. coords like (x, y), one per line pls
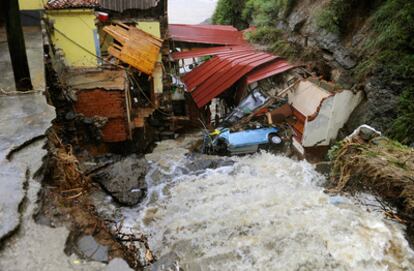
(122, 5)
(210, 51)
(203, 72)
(116, 5)
(65, 4)
(268, 70)
(206, 34)
(215, 76)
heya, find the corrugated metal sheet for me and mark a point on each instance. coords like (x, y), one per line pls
(215, 76)
(116, 5)
(206, 34)
(209, 51)
(121, 5)
(138, 48)
(268, 70)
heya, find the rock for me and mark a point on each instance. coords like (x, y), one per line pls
(118, 264)
(378, 110)
(297, 21)
(125, 179)
(91, 249)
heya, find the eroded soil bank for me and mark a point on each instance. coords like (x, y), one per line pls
(380, 166)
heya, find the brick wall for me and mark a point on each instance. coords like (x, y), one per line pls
(109, 104)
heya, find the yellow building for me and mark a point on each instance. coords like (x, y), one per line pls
(75, 35)
(32, 4)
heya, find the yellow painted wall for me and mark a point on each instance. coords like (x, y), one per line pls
(79, 28)
(31, 4)
(151, 27)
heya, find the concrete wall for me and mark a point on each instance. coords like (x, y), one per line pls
(316, 132)
(333, 114)
(106, 103)
(75, 34)
(344, 104)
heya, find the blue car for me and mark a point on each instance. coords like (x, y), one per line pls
(243, 142)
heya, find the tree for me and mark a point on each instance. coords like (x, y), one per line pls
(229, 12)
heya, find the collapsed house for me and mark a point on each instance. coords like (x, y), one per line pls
(217, 66)
(108, 58)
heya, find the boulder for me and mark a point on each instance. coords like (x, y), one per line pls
(125, 179)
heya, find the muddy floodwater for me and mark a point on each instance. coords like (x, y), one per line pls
(258, 212)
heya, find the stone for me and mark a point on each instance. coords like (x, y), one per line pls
(91, 249)
(125, 179)
(118, 264)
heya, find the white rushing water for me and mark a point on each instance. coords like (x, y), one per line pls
(265, 212)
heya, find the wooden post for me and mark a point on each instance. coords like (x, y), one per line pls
(17, 48)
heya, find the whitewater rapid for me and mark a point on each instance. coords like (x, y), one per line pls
(264, 212)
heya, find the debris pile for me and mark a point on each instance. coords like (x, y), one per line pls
(66, 201)
(369, 162)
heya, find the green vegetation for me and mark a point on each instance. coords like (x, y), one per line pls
(273, 39)
(267, 12)
(333, 17)
(403, 127)
(229, 12)
(393, 57)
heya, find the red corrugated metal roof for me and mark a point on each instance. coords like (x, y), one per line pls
(209, 51)
(268, 70)
(215, 76)
(206, 34)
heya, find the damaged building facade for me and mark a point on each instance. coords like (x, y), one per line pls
(107, 57)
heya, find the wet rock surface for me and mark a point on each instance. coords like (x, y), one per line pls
(124, 179)
(118, 264)
(379, 109)
(92, 250)
(22, 118)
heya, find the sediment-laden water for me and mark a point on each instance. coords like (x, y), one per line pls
(264, 212)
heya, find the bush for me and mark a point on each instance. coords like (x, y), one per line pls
(333, 17)
(267, 12)
(273, 39)
(403, 127)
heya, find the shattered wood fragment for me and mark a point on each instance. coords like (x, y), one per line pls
(138, 48)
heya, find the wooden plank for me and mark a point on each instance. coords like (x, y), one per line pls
(138, 48)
